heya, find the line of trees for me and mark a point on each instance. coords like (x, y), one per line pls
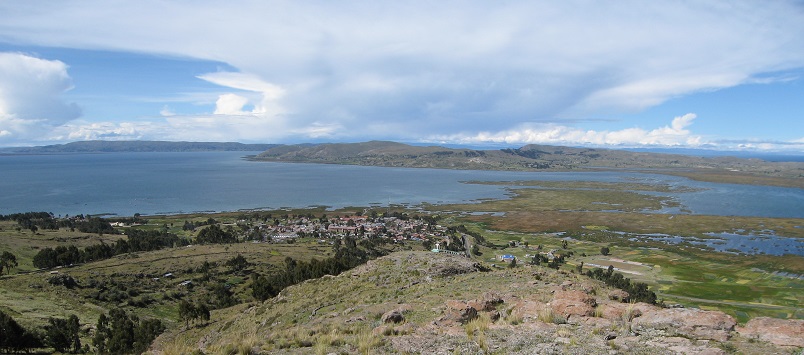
(45, 220)
(347, 256)
(137, 240)
(637, 291)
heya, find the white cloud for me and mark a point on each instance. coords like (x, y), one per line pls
(676, 134)
(230, 104)
(407, 70)
(30, 95)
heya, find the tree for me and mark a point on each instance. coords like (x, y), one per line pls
(237, 263)
(604, 250)
(15, 338)
(121, 333)
(7, 261)
(261, 288)
(215, 235)
(186, 312)
(190, 312)
(63, 334)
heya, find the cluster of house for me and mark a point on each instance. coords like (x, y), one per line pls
(356, 226)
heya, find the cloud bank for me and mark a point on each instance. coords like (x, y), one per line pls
(676, 134)
(457, 71)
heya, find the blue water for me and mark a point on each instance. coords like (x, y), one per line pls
(751, 243)
(159, 183)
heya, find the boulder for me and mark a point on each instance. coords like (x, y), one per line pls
(695, 323)
(569, 308)
(527, 309)
(465, 316)
(393, 316)
(619, 311)
(619, 295)
(396, 315)
(575, 295)
(782, 332)
(573, 303)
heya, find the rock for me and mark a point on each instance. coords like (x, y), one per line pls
(487, 303)
(782, 332)
(573, 303)
(527, 309)
(455, 304)
(393, 316)
(619, 295)
(644, 307)
(693, 323)
(459, 312)
(575, 295)
(569, 308)
(619, 311)
(396, 315)
(600, 323)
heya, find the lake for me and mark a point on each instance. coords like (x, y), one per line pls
(169, 183)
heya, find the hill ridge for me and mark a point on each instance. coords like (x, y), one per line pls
(424, 302)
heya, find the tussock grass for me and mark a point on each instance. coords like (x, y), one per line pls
(476, 330)
(548, 316)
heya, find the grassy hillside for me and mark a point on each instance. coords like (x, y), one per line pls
(423, 302)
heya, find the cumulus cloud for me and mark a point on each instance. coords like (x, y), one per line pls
(408, 70)
(31, 95)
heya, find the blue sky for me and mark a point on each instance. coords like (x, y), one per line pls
(721, 75)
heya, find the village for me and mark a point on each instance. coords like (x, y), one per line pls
(396, 227)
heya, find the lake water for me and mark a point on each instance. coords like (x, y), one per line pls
(161, 183)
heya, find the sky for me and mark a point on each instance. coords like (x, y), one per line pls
(719, 75)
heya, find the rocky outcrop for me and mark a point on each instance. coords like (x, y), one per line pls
(487, 303)
(528, 310)
(573, 303)
(458, 312)
(693, 323)
(784, 332)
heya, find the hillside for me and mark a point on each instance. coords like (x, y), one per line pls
(423, 302)
(139, 146)
(540, 158)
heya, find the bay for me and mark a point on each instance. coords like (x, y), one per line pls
(168, 183)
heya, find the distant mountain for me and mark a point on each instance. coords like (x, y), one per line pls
(140, 146)
(539, 158)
